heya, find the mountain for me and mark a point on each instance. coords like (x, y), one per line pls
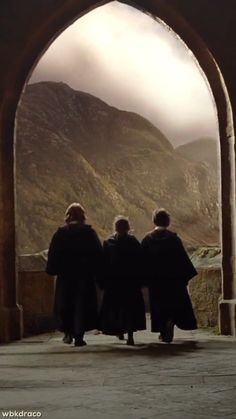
(71, 146)
(201, 150)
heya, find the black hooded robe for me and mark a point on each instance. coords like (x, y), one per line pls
(168, 269)
(122, 308)
(74, 256)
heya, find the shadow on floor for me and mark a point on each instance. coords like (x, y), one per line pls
(114, 349)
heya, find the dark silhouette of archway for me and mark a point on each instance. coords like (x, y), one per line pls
(52, 18)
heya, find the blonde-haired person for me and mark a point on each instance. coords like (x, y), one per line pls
(122, 308)
(74, 255)
(168, 270)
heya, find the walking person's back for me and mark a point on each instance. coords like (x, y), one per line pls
(123, 306)
(168, 269)
(74, 256)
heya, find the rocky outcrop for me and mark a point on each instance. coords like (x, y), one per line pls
(201, 150)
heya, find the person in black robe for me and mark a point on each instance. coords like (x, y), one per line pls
(74, 256)
(168, 270)
(122, 308)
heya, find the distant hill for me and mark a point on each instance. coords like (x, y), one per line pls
(71, 146)
(201, 150)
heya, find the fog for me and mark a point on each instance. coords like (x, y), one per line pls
(133, 62)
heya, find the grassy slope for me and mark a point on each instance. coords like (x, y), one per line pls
(73, 147)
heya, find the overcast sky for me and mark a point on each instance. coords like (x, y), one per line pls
(130, 61)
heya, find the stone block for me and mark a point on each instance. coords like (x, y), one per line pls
(205, 291)
(227, 318)
(36, 295)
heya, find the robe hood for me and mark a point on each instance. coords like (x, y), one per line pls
(161, 235)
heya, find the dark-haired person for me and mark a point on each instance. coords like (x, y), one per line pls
(123, 308)
(168, 269)
(74, 256)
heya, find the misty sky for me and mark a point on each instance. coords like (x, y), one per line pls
(130, 61)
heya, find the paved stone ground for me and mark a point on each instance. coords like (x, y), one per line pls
(193, 378)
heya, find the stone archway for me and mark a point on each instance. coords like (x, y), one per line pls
(38, 28)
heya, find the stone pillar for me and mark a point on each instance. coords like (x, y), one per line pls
(10, 312)
(227, 303)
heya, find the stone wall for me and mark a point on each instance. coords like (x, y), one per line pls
(36, 291)
(205, 291)
(206, 288)
(36, 295)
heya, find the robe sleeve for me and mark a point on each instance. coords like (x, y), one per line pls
(139, 263)
(97, 257)
(186, 267)
(52, 267)
(145, 262)
(104, 267)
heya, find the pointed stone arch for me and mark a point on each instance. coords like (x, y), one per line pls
(28, 30)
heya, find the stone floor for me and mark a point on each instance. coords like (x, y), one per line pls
(193, 378)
